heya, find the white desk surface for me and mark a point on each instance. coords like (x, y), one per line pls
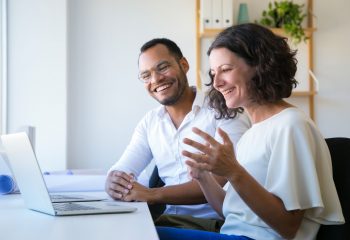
(17, 222)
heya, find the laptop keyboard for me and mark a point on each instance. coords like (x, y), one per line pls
(71, 207)
(61, 197)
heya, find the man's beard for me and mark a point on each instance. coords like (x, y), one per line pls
(174, 99)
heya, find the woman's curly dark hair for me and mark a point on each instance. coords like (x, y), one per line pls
(274, 62)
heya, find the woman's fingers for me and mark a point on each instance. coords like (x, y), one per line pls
(198, 157)
(205, 148)
(201, 147)
(198, 165)
(224, 137)
(205, 136)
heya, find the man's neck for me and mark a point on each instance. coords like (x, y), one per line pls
(178, 111)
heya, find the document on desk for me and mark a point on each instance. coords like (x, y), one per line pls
(62, 181)
(75, 183)
(7, 182)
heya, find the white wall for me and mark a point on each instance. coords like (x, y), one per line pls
(106, 100)
(2, 55)
(37, 75)
(86, 103)
(332, 66)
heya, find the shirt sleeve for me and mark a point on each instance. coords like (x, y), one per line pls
(137, 154)
(300, 172)
(235, 127)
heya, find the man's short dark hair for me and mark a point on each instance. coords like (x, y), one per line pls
(170, 45)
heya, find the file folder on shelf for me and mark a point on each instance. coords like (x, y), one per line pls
(217, 13)
(227, 13)
(206, 14)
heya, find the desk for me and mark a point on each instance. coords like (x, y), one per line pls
(17, 222)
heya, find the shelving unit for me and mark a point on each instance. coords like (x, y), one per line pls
(309, 94)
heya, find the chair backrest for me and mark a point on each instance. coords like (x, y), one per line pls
(340, 153)
(155, 182)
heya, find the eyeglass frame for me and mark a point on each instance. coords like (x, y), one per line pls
(157, 69)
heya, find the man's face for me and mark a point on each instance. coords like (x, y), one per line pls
(165, 78)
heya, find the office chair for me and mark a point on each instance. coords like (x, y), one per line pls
(340, 154)
(155, 182)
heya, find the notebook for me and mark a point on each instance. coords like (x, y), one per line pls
(30, 181)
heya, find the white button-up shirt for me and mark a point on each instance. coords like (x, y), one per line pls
(156, 137)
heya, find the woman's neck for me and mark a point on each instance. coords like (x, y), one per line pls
(260, 112)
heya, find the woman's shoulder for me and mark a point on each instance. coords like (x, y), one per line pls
(292, 116)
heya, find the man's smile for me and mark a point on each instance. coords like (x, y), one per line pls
(162, 87)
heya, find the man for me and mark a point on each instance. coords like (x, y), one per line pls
(159, 135)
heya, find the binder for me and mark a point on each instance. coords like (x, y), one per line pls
(206, 14)
(217, 13)
(227, 13)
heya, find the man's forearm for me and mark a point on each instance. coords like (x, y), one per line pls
(181, 194)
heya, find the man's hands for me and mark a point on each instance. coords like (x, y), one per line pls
(118, 184)
(140, 193)
(123, 186)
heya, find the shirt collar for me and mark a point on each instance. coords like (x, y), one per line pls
(198, 100)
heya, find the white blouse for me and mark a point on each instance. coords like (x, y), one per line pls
(290, 159)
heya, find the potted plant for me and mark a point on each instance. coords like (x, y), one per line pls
(286, 15)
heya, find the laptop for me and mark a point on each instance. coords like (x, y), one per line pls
(30, 181)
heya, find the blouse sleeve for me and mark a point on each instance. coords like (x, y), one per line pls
(137, 154)
(300, 172)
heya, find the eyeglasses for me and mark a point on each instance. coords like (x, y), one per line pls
(162, 68)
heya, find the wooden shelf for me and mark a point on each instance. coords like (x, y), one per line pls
(282, 32)
(303, 93)
(208, 33)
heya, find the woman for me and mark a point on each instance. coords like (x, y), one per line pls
(280, 181)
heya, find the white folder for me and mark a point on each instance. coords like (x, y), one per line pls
(227, 13)
(206, 14)
(217, 13)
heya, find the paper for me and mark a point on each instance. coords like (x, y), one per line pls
(60, 182)
(7, 185)
(71, 180)
(75, 183)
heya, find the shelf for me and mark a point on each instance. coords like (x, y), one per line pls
(282, 32)
(207, 33)
(303, 93)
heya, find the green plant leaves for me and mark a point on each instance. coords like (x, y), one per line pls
(287, 15)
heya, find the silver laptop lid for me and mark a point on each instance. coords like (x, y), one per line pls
(30, 181)
(27, 172)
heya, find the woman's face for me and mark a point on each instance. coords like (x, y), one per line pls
(230, 74)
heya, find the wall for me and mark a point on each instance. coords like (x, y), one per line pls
(73, 71)
(332, 66)
(1, 63)
(37, 75)
(106, 100)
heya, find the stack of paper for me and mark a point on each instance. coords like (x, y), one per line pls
(75, 180)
